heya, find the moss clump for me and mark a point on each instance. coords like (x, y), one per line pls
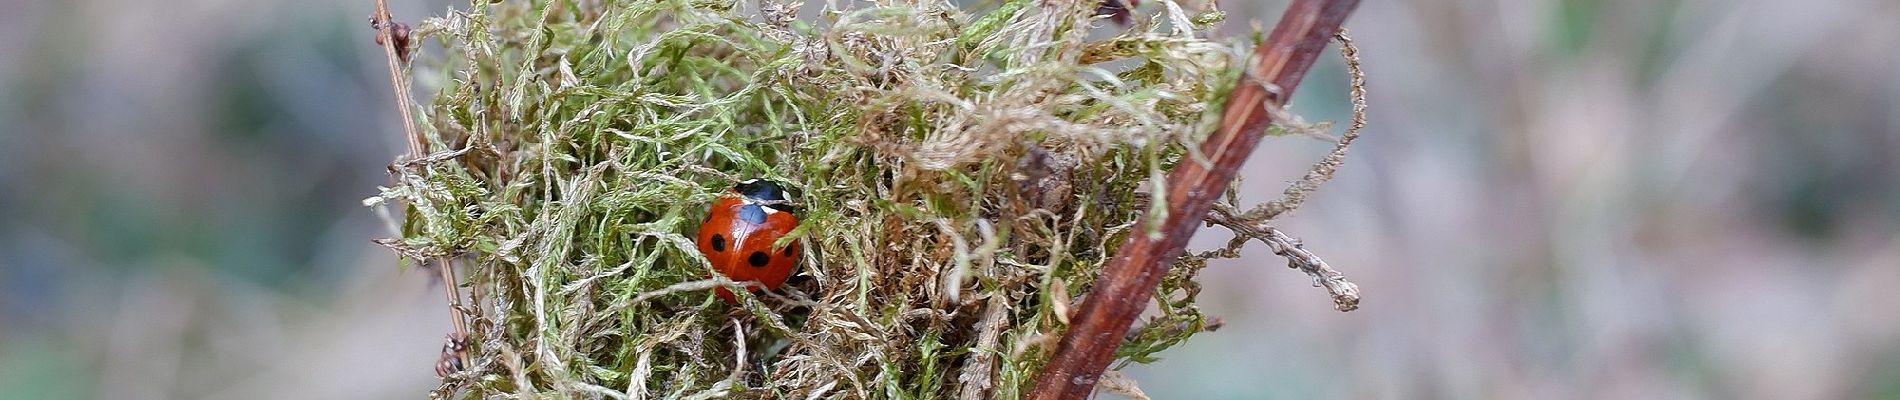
(962, 174)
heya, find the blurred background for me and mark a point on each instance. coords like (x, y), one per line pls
(1555, 199)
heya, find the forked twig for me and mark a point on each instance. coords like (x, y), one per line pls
(1124, 288)
(1345, 294)
(1252, 225)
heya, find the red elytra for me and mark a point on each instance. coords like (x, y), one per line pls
(739, 231)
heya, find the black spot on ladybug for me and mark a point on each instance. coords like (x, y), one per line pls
(752, 213)
(758, 259)
(719, 242)
(788, 251)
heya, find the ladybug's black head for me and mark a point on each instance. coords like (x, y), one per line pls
(765, 191)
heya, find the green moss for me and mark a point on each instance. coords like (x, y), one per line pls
(961, 174)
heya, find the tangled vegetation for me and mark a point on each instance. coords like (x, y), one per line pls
(961, 175)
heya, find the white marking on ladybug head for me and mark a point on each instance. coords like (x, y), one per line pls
(784, 195)
(770, 210)
(750, 181)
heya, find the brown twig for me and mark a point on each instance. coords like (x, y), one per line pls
(385, 35)
(396, 51)
(455, 298)
(1127, 281)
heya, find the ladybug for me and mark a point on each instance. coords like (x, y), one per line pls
(739, 231)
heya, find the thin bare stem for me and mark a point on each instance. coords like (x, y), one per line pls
(386, 30)
(398, 82)
(454, 296)
(1128, 280)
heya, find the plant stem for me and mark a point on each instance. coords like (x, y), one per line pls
(399, 83)
(1129, 279)
(455, 298)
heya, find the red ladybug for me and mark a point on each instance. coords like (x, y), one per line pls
(739, 231)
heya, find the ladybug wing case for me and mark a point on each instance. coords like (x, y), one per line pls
(737, 238)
